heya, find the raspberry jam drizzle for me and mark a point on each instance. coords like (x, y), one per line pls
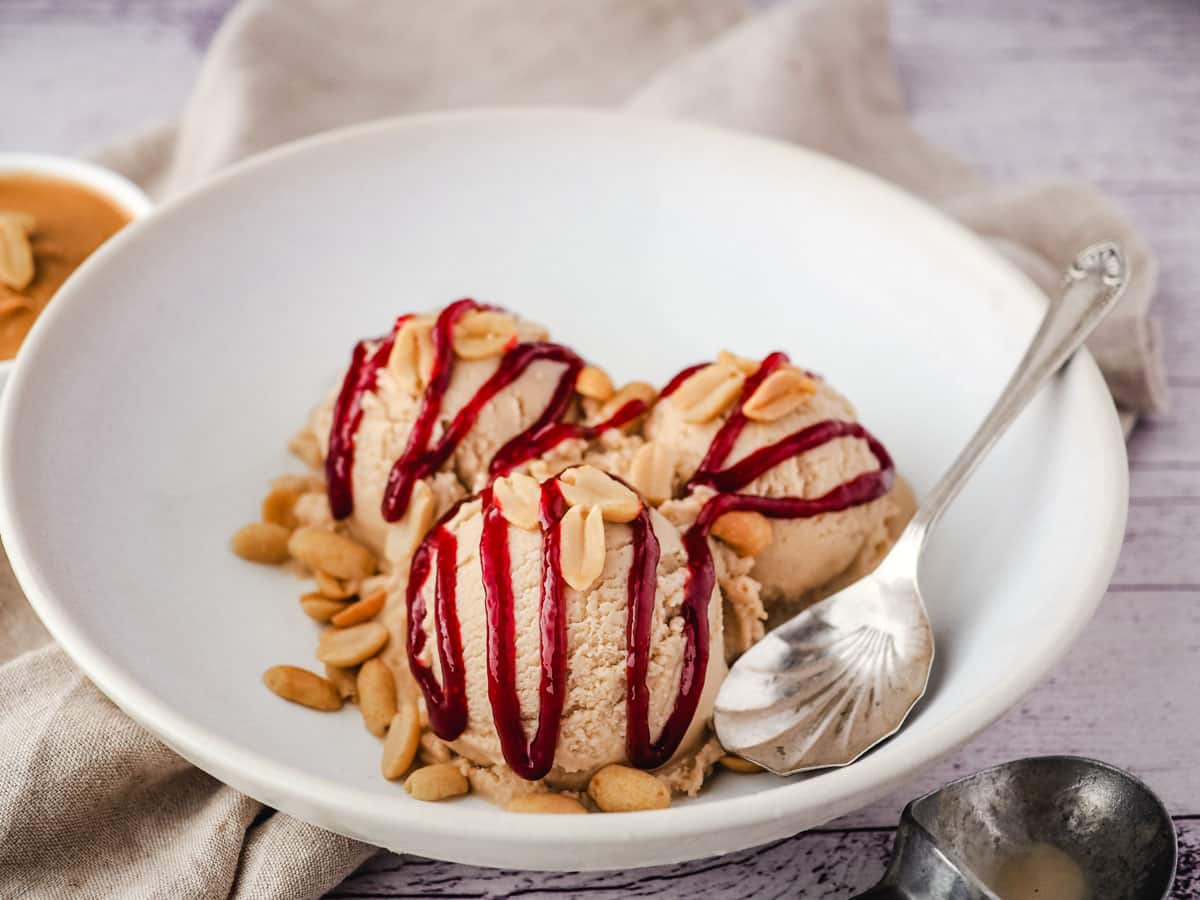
(447, 701)
(531, 758)
(366, 361)
(644, 752)
(419, 459)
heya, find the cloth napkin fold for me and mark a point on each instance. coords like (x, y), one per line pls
(91, 805)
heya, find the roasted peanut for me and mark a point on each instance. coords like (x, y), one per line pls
(708, 393)
(483, 333)
(411, 361)
(781, 392)
(740, 363)
(403, 738)
(622, 789)
(376, 695)
(262, 542)
(345, 680)
(406, 534)
(739, 765)
(312, 510)
(554, 804)
(594, 383)
(319, 607)
(364, 610)
(335, 588)
(652, 470)
(520, 498)
(303, 687)
(437, 782)
(332, 553)
(16, 252)
(589, 487)
(279, 506)
(350, 646)
(581, 546)
(748, 533)
(23, 220)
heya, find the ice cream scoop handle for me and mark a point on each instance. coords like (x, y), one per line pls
(1092, 287)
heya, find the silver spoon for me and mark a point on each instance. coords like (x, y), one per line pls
(832, 682)
(1054, 827)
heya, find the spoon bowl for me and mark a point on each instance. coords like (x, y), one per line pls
(827, 685)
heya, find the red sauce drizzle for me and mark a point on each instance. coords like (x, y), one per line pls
(530, 758)
(366, 361)
(643, 584)
(447, 701)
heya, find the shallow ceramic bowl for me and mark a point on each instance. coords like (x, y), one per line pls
(163, 383)
(103, 181)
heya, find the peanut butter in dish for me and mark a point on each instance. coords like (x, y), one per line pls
(48, 226)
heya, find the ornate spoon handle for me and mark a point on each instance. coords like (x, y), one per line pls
(1093, 285)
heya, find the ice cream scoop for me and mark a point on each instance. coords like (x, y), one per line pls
(558, 627)
(437, 407)
(770, 430)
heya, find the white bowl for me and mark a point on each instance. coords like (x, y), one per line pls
(139, 434)
(115, 187)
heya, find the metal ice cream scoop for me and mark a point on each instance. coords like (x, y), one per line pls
(1050, 827)
(826, 686)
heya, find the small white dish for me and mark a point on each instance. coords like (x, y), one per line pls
(104, 181)
(139, 434)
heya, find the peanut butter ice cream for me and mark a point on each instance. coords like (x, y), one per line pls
(770, 430)
(499, 381)
(570, 644)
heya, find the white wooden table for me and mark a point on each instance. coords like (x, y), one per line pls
(1103, 90)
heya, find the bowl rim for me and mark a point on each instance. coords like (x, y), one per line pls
(113, 185)
(320, 800)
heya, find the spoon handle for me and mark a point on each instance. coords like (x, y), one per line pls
(1092, 287)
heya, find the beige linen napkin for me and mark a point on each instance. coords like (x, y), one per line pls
(93, 806)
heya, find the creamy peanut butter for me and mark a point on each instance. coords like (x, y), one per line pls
(57, 224)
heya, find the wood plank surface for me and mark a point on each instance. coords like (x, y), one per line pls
(819, 865)
(1101, 90)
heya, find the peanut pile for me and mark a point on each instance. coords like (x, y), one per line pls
(350, 644)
